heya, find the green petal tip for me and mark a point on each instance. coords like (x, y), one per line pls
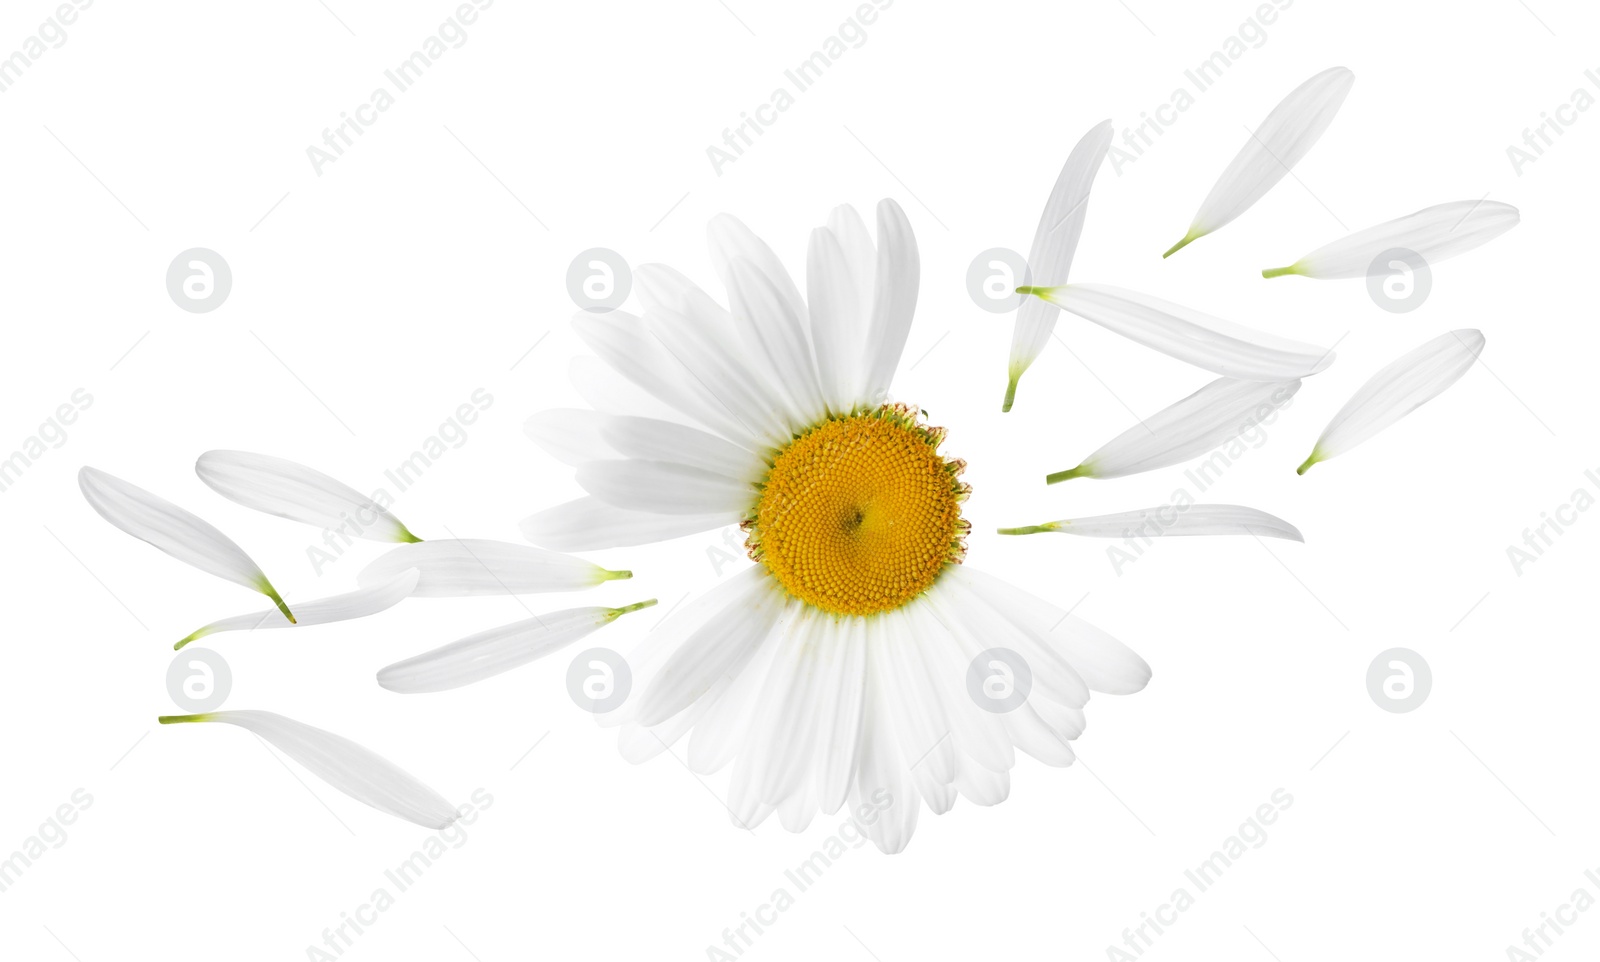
(1188, 239)
(1011, 393)
(1032, 528)
(1302, 469)
(1081, 471)
(615, 575)
(1279, 271)
(277, 599)
(180, 719)
(636, 606)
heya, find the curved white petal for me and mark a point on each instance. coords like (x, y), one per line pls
(838, 326)
(882, 782)
(570, 435)
(730, 240)
(1054, 243)
(773, 328)
(839, 714)
(1287, 135)
(1404, 385)
(1435, 233)
(1212, 343)
(651, 440)
(456, 568)
(1213, 415)
(665, 488)
(346, 607)
(1172, 520)
(603, 388)
(589, 524)
(359, 772)
(289, 490)
(489, 653)
(898, 277)
(174, 530)
(861, 254)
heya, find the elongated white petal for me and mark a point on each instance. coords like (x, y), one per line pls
(665, 488)
(1404, 385)
(773, 328)
(359, 772)
(862, 255)
(894, 299)
(451, 568)
(1213, 415)
(589, 524)
(1434, 233)
(651, 440)
(723, 641)
(1287, 135)
(1172, 520)
(838, 326)
(1054, 243)
(488, 653)
(322, 611)
(289, 490)
(1212, 343)
(570, 435)
(176, 531)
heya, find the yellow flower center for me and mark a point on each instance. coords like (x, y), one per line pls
(860, 514)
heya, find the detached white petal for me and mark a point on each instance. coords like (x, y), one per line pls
(176, 531)
(1172, 520)
(466, 567)
(345, 607)
(488, 653)
(1400, 388)
(289, 490)
(1213, 415)
(1054, 243)
(1435, 233)
(1277, 145)
(1196, 338)
(589, 524)
(359, 772)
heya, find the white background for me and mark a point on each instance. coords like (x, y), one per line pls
(372, 300)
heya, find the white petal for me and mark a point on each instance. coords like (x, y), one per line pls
(1172, 520)
(294, 491)
(838, 328)
(882, 782)
(1211, 416)
(731, 240)
(652, 440)
(1435, 233)
(570, 435)
(1054, 243)
(359, 772)
(1212, 343)
(773, 329)
(456, 568)
(589, 524)
(862, 256)
(719, 736)
(894, 302)
(604, 389)
(489, 653)
(723, 641)
(174, 530)
(665, 488)
(1283, 138)
(839, 714)
(1404, 385)
(322, 611)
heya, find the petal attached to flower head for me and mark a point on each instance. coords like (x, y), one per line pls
(570, 435)
(1400, 388)
(1213, 415)
(1212, 343)
(176, 531)
(1433, 233)
(589, 524)
(774, 330)
(488, 653)
(1287, 135)
(838, 326)
(894, 299)
(1054, 243)
(359, 772)
(665, 488)
(289, 490)
(648, 439)
(455, 568)
(1172, 520)
(345, 607)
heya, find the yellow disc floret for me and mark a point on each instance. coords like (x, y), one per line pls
(860, 513)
